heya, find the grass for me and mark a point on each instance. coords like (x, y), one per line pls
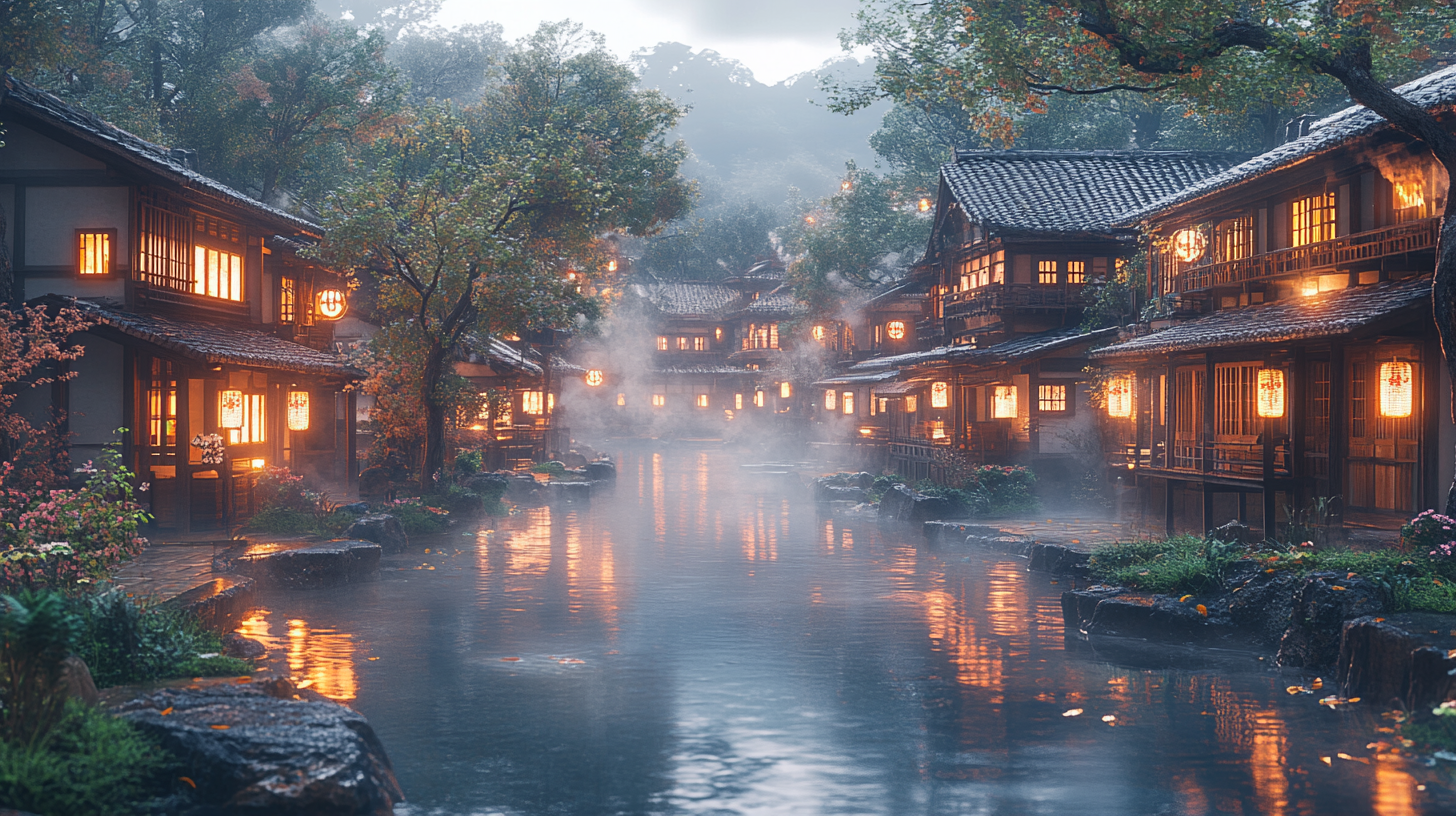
(124, 642)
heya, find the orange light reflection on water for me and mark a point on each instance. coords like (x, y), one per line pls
(324, 656)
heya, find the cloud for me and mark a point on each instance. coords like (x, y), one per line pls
(757, 19)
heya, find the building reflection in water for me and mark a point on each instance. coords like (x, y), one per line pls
(325, 657)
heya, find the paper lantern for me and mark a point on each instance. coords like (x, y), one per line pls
(1003, 402)
(298, 415)
(895, 330)
(595, 377)
(1271, 393)
(830, 398)
(1395, 389)
(1119, 397)
(230, 409)
(939, 395)
(1189, 245)
(331, 304)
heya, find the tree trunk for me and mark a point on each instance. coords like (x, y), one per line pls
(433, 460)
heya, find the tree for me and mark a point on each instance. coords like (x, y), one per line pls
(491, 218)
(35, 351)
(454, 64)
(725, 240)
(1000, 57)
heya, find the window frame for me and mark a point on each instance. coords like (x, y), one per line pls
(111, 271)
(1042, 400)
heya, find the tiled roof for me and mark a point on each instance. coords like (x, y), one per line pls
(154, 157)
(1432, 91)
(720, 370)
(867, 378)
(495, 351)
(707, 299)
(1078, 192)
(1014, 350)
(780, 302)
(1331, 314)
(215, 344)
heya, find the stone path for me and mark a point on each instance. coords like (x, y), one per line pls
(166, 569)
(1076, 532)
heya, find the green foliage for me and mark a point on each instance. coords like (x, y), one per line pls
(454, 498)
(416, 517)
(282, 521)
(1117, 299)
(36, 633)
(125, 642)
(91, 764)
(1007, 488)
(725, 239)
(467, 463)
(553, 467)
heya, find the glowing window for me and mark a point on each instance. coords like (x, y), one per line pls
(1233, 239)
(1003, 402)
(785, 390)
(939, 395)
(662, 344)
(738, 402)
(848, 402)
(700, 344)
(217, 273)
(682, 344)
(818, 333)
(718, 334)
(884, 404)
(162, 405)
(895, 330)
(911, 403)
(503, 417)
(531, 402)
(254, 425)
(1119, 397)
(758, 399)
(93, 251)
(1312, 219)
(1051, 398)
(702, 401)
(659, 400)
(287, 300)
(621, 399)
(1046, 272)
(937, 429)
(1076, 271)
(831, 398)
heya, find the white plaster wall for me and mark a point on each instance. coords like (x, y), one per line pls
(96, 392)
(72, 286)
(53, 214)
(27, 150)
(1446, 443)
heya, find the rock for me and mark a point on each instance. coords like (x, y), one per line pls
(827, 492)
(569, 491)
(864, 481)
(332, 563)
(275, 756)
(76, 677)
(1263, 603)
(956, 531)
(382, 529)
(1078, 605)
(235, 645)
(375, 482)
(220, 604)
(1233, 532)
(896, 503)
(572, 459)
(522, 488)
(601, 470)
(356, 508)
(1158, 617)
(491, 485)
(1322, 605)
(926, 508)
(1398, 661)
(1057, 559)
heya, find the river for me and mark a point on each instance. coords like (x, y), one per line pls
(704, 642)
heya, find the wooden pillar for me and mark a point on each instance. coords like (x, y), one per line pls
(1033, 409)
(351, 465)
(1207, 506)
(1298, 415)
(129, 415)
(182, 515)
(1339, 432)
(1206, 434)
(1432, 493)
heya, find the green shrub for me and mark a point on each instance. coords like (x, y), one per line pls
(334, 524)
(92, 764)
(124, 642)
(468, 463)
(416, 517)
(36, 633)
(454, 498)
(282, 521)
(1007, 488)
(553, 467)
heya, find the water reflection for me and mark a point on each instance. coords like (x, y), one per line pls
(689, 648)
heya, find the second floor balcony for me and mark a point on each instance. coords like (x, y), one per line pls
(1340, 253)
(1001, 296)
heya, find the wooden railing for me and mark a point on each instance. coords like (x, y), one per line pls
(997, 296)
(1364, 246)
(1236, 459)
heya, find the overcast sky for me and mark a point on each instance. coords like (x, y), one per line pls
(774, 38)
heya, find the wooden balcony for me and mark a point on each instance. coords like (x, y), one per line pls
(999, 296)
(1344, 251)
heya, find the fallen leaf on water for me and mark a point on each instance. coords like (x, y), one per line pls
(1072, 712)
(1318, 684)
(1338, 588)
(510, 659)
(1420, 787)
(166, 711)
(219, 727)
(1184, 599)
(189, 782)
(1076, 541)
(1380, 620)
(1353, 700)
(242, 680)
(1269, 571)
(1202, 610)
(1326, 760)
(1349, 576)
(1109, 718)
(614, 651)
(373, 658)
(569, 661)
(1297, 690)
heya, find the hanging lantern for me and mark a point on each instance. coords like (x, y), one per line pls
(594, 377)
(230, 409)
(829, 399)
(1003, 402)
(1189, 245)
(298, 410)
(1119, 397)
(1395, 389)
(924, 205)
(895, 330)
(1271, 393)
(331, 304)
(940, 395)
(612, 265)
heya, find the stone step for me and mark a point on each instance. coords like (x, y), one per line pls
(311, 566)
(219, 604)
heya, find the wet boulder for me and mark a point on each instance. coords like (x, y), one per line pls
(827, 492)
(382, 529)
(522, 488)
(1078, 605)
(332, 563)
(928, 508)
(1057, 560)
(1324, 601)
(601, 470)
(358, 508)
(1400, 660)
(572, 459)
(1159, 618)
(491, 485)
(235, 645)
(259, 749)
(569, 492)
(76, 677)
(221, 603)
(897, 502)
(864, 481)
(1263, 604)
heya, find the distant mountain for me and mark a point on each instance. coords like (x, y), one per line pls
(755, 140)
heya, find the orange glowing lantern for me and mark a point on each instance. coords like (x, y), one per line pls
(1271, 393)
(1003, 402)
(1395, 389)
(298, 414)
(818, 333)
(940, 395)
(230, 409)
(924, 205)
(1119, 397)
(895, 330)
(830, 398)
(594, 377)
(611, 266)
(332, 304)
(1189, 244)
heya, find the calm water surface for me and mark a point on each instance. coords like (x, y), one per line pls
(704, 643)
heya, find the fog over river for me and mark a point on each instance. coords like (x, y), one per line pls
(705, 642)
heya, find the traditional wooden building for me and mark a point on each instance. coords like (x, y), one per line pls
(1295, 365)
(211, 342)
